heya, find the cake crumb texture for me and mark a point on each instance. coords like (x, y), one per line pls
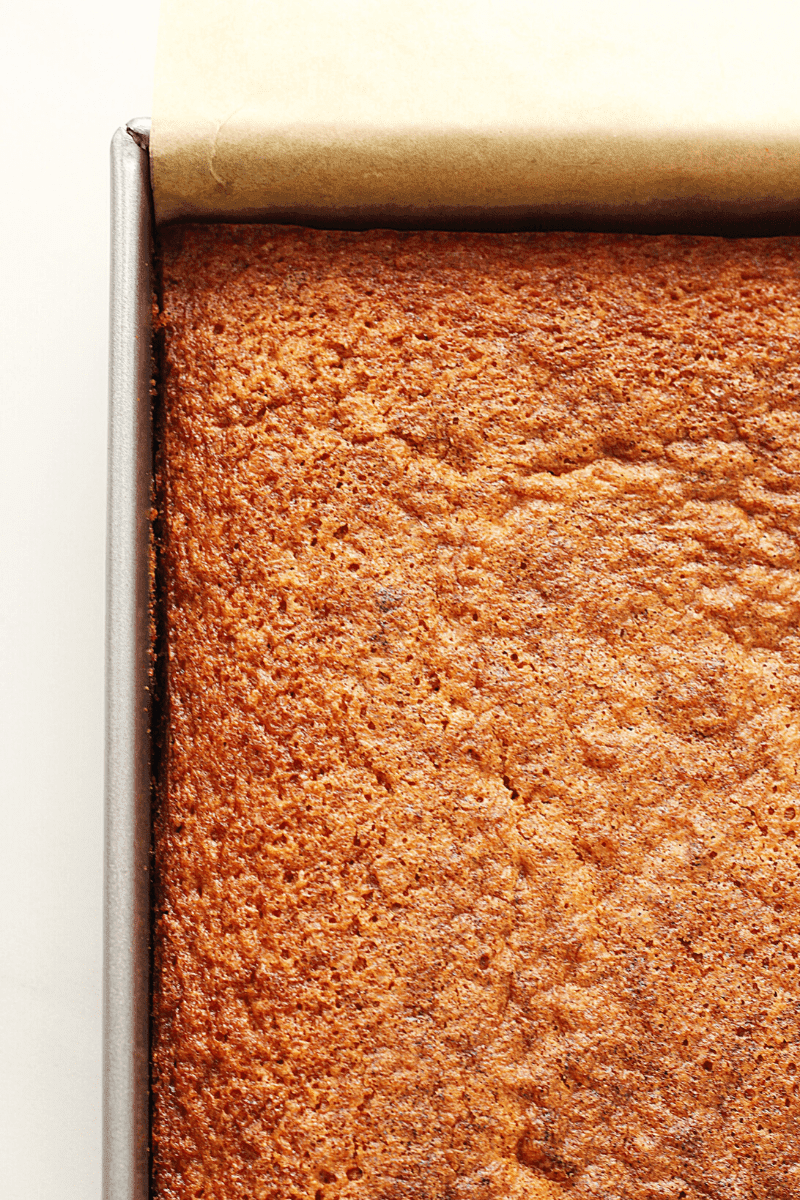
(477, 866)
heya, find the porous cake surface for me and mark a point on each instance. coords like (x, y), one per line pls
(477, 875)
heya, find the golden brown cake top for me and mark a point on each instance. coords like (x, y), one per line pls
(477, 867)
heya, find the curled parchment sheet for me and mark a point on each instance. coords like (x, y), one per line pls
(451, 112)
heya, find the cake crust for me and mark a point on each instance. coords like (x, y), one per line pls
(476, 848)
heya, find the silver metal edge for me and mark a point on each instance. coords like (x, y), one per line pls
(126, 978)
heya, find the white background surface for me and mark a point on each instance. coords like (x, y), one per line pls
(70, 74)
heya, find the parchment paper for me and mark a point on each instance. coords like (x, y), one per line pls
(468, 112)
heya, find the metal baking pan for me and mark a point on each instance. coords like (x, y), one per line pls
(126, 977)
(126, 1110)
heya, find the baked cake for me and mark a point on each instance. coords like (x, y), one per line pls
(477, 869)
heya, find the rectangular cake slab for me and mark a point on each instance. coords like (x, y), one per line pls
(127, 904)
